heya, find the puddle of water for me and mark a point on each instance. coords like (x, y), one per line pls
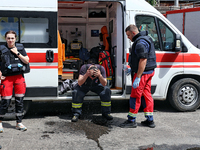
(92, 129)
(51, 132)
(46, 136)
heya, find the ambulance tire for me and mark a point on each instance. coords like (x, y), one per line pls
(11, 109)
(184, 95)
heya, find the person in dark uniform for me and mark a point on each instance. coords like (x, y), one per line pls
(92, 77)
(14, 62)
(142, 62)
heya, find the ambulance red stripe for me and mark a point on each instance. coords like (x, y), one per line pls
(178, 66)
(40, 57)
(179, 57)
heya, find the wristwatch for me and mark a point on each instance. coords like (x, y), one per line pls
(18, 53)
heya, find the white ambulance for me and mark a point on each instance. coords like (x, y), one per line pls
(176, 78)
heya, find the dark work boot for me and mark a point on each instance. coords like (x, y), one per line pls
(75, 118)
(128, 124)
(107, 116)
(148, 123)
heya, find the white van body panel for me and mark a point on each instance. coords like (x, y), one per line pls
(190, 25)
(139, 6)
(48, 77)
(37, 5)
(163, 76)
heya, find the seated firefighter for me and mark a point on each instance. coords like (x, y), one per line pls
(92, 77)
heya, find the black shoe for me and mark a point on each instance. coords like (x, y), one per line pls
(75, 118)
(107, 116)
(128, 124)
(148, 123)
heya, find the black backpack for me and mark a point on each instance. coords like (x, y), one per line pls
(94, 54)
(84, 54)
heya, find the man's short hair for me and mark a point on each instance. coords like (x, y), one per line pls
(131, 28)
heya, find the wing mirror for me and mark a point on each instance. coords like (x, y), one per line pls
(178, 45)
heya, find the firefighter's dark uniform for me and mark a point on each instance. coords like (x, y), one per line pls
(91, 85)
(12, 68)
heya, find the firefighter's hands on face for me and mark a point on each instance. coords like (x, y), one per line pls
(88, 74)
(93, 73)
(97, 73)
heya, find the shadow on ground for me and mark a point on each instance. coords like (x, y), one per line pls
(41, 109)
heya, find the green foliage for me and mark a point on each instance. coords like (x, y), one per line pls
(152, 2)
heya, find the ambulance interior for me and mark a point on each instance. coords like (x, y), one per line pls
(79, 26)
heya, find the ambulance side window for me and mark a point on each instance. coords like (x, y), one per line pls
(147, 23)
(168, 37)
(34, 30)
(6, 24)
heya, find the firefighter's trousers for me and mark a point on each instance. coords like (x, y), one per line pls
(141, 95)
(80, 91)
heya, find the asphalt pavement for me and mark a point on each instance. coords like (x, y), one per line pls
(50, 128)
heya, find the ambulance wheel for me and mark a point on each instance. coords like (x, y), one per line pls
(184, 95)
(11, 109)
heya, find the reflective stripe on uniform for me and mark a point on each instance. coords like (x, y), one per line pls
(77, 105)
(132, 115)
(2, 115)
(19, 114)
(19, 95)
(107, 104)
(148, 113)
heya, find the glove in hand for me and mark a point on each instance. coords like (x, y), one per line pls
(127, 70)
(20, 65)
(136, 82)
(9, 67)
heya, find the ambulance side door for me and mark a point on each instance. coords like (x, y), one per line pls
(169, 62)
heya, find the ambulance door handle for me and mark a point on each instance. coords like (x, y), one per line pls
(49, 56)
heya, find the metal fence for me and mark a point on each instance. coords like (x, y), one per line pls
(186, 5)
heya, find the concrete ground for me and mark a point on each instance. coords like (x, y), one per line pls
(50, 127)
